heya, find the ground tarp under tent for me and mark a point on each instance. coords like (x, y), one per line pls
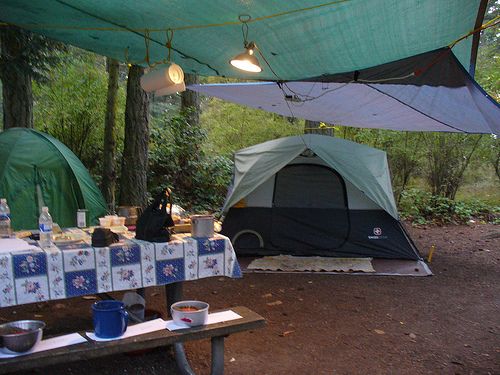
(314, 195)
(38, 170)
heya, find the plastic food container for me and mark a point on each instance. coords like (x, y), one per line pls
(191, 313)
(105, 221)
(118, 221)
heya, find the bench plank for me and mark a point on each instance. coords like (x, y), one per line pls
(93, 349)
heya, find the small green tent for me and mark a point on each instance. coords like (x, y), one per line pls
(36, 169)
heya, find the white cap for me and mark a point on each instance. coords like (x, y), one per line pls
(3, 200)
(45, 209)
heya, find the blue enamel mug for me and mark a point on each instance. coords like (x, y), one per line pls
(110, 318)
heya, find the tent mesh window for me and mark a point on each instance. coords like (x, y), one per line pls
(309, 186)
(309, 209)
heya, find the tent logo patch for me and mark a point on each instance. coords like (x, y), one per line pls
(377, 234)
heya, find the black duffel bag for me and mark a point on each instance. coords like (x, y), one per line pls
(154, 222)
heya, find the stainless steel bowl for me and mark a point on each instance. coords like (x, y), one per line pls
(21, 335)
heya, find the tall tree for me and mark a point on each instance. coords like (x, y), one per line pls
(448, 157)
(133, 181)
(16, 80)
(188, 125)
(190, 101)
(24, 56)
(109, 164)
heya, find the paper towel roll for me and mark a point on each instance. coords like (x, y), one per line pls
(161, 78)
(180, 87)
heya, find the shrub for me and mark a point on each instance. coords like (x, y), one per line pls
(176, 158)
(422, 207)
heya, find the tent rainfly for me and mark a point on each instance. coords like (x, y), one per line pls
(314, 195)
(37, 170)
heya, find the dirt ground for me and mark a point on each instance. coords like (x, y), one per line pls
(335, 324)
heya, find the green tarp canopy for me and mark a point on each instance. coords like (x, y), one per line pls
(299, 38)
(36, 169)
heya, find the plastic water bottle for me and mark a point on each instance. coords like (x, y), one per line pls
(45, 226)
(4, 218)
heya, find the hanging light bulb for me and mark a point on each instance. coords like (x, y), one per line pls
(246, 60)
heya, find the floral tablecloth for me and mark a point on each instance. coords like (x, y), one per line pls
(72, 270)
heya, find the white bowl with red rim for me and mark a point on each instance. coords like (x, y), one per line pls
(190, 313)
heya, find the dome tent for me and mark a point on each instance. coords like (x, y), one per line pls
(36, 169)
(314, 195)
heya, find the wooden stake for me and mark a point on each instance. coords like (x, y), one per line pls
(431, 252)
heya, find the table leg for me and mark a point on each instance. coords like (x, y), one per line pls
(217, 355)
(142, 292)
(173, 293)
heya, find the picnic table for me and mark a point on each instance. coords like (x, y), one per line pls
(75, 268)
(70, 270)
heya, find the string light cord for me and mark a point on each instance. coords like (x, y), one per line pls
(311, 98)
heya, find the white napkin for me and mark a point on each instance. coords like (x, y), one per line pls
(52, 343)
(137, 329)
(222, 316)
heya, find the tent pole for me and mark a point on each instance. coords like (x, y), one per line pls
(475, 38)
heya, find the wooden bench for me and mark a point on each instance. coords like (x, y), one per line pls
(92, 349)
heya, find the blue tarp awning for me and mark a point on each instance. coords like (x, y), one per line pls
(428, 92)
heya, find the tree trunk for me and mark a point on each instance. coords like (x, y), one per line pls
(133, 182)
(190, 101)
(109, 163)
(16, 82)
(314, 127)
(190, 109)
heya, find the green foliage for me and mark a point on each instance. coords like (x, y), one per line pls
(422, 207)
(488, 57)
(71, 106)
(488, 69)
(231, 127)
(404, 152)
(37, 54)
(199, 180)
(448, 156)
